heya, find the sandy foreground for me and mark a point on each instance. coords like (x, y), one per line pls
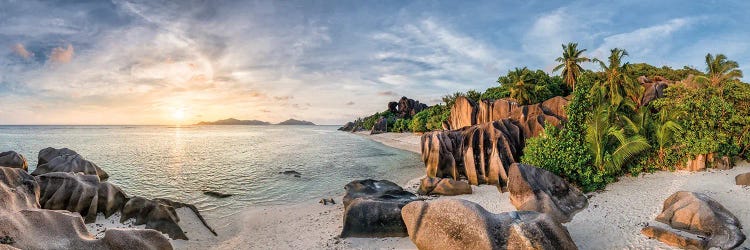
(612, 220)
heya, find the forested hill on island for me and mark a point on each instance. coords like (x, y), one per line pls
(232, 121)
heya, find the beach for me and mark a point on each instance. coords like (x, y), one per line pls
(612, 220)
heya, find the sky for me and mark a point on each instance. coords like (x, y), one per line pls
(180, 62)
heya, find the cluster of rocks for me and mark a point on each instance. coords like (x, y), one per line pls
(544, 200)
(703, 161)
(480, 153)
(482, 140)
(531, 118)
(66, 191)
(696, 222)
(406, 108)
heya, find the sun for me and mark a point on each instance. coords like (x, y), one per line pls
(179, 114)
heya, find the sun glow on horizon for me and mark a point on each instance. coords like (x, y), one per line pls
(179, 114)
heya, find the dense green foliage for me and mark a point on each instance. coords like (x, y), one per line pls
(429, 119)
(563, 151)
(527, 86)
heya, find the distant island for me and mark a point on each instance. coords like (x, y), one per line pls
(295, 122)
(232, 121)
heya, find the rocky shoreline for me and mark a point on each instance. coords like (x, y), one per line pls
(68, 202)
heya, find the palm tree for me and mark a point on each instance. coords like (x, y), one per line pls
(618, 85)
(665, 129)
(719, 70)
(570, 63)
(609, 144)
(522, 88)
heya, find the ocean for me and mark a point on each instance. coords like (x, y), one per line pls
(180, 163)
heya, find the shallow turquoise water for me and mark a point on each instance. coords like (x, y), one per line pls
(181, 162)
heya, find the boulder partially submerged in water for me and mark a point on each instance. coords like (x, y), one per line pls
(12, 159)
(27, 226)
(700, 223)
(461, 224)
(373, 209)
(47, 154)
(536, 189)
(68, 161)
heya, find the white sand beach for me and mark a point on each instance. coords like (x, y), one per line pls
(612, 220)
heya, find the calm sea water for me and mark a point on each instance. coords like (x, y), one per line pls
(181, 162)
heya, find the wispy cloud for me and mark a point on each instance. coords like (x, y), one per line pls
(21, 51)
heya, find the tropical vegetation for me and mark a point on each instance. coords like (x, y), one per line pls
(610, 131)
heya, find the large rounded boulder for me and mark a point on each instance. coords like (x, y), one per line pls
(742, 179)
(70, 164)
(84, 194)
(696, 222)
(47, 154)
(12, 159)
(536, 189)
(461, 224)
(373, 209)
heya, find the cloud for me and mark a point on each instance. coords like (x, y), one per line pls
(283, 98)
(61, 55)
(387, 93)
(21, 51)
(644, 41)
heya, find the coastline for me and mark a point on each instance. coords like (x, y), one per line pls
(613, 218)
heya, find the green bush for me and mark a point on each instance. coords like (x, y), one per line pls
(564, 151)
(400, 125)
(429, 119)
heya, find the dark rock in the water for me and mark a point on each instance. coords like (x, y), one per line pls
(536, 189)
(155, 215)
(47, 154)
(68, 163)
(12, 159)
(216, 194)
(351, 127)
(742, 179)
(291, 172)
(460, 224)
(443, 186)
(373, 209)
(696, 213)
(482, 153)
(192, 208)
